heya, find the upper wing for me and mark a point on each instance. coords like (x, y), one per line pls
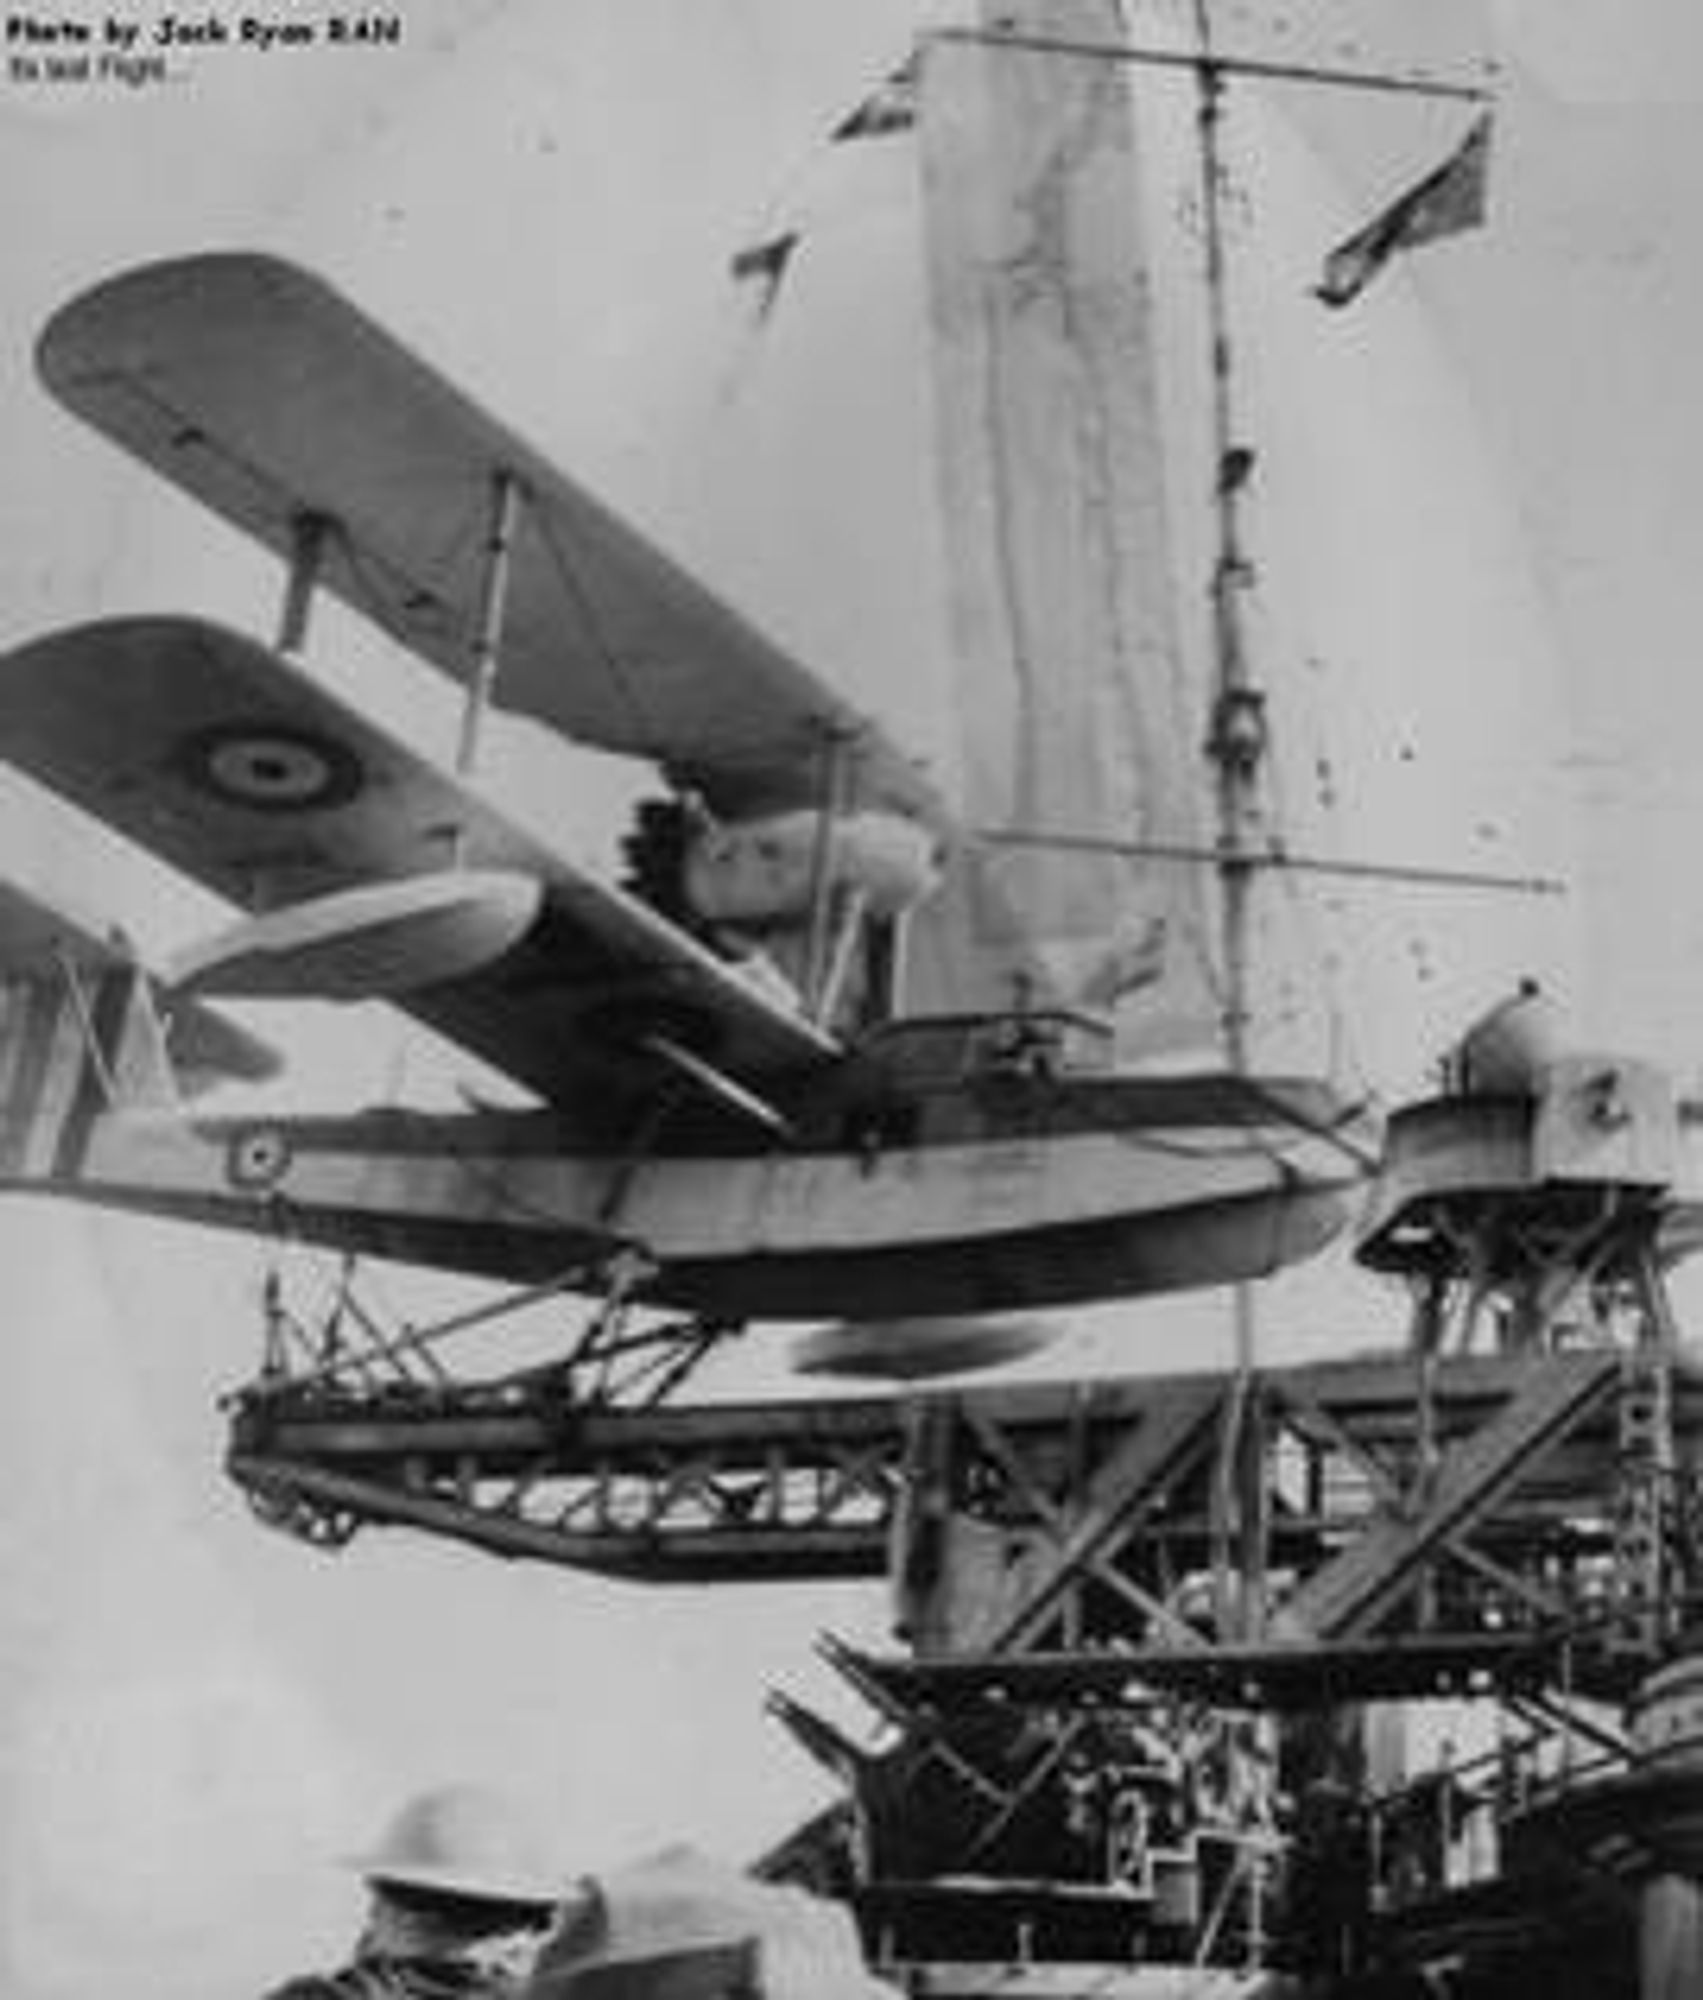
(273, 400)
(229, 763)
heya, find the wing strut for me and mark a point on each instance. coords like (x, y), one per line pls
(310, 531)
(493, 605)
(836, 925)
(846, 940)
(818, 958)
(714, 1083)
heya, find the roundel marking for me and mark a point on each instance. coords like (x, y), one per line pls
(270, 767)
(257, 1159)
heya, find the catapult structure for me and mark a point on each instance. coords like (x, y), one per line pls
(1156, 1630)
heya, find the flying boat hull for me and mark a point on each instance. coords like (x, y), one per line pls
(1013, 1193)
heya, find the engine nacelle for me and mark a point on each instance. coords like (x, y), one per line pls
(759, 874)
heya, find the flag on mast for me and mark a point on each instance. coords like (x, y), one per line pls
(892, 108)
(1449, 199)
(765, 264)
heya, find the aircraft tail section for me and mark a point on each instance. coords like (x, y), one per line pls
(85, 1029)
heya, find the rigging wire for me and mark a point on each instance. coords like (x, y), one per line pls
(608, 655)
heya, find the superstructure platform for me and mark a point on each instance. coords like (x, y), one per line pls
(1313, 1679)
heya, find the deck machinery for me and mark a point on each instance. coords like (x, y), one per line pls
(1360, 1677)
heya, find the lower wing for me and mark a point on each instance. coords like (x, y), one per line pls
(367, 871)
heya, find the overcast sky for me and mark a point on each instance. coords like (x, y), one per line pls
(194, 1714)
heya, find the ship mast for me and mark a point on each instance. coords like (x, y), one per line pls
(1236, 740)
(1238, 846)
(1236, 744)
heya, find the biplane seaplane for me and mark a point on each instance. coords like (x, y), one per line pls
(735, 1108)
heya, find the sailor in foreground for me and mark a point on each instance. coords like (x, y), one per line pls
(461, 1896)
